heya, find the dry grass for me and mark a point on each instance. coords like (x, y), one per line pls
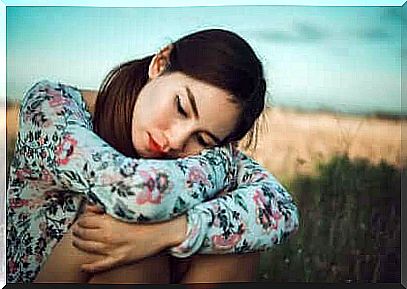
(295, 141)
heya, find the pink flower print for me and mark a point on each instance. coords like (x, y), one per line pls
(18, 203)
(264, 219)
(46, 176)
(149, 194)
(259, 199)
(12, 267)
(21, 174)
(50, 194)
(216, 222)
(276, 217)
(65, 149)
(224, 244)
(52, 92)
(77, 115)
(258, 176)
(196, 175)
(109, 178)
(57, 99)
(266, 214)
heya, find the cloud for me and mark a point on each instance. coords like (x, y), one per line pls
(310, 32)
(301, 33)
(374, 34)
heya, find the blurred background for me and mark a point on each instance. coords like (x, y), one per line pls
(331, 131)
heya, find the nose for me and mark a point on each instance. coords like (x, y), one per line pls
(177, 138)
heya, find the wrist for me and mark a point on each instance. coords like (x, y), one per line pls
(177, 231)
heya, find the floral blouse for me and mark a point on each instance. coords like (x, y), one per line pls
(233, 205)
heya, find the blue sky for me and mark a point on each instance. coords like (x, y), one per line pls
(341, 58)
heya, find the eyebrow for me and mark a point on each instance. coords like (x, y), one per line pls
(191, 98)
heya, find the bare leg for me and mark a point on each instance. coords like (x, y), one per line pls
(63, 265)
(221, 269)
(152, 270)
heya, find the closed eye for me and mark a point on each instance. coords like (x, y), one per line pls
(202, 141)
(180, 109)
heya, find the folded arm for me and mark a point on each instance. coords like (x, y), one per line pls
(56, 144)
(255, 216)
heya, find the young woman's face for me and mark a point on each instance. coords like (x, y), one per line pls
(176, 115)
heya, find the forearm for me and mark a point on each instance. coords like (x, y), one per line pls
(222, 226)
(255, 216)
(55, 124)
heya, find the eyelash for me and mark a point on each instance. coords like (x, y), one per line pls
(201, 141)
(181, 111)
(179, 107)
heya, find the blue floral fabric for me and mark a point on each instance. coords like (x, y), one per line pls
(232, 203)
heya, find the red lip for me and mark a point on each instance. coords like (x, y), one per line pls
(154, 146)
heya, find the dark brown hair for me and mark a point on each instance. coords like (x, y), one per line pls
(217, 57)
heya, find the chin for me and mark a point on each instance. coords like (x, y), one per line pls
(150, 155)
(146, 155)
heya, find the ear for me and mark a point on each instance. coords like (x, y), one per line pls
(160, 62)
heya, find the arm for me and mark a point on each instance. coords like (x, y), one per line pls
(255, 216)
(55, 137)
(258, 214)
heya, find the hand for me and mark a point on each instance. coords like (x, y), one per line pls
(122, 243)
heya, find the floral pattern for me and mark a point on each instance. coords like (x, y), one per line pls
(60, 164)
(64, 149)
(255, 215)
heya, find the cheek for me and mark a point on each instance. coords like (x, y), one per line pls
(157, 117)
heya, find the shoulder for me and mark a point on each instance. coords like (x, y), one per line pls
(48, 89)
(52, 97)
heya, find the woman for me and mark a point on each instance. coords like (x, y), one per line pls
(172, 168)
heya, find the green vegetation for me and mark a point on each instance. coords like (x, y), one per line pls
(350, 226)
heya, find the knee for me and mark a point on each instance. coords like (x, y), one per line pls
(223, 268)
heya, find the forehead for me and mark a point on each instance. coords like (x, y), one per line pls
(218, 112)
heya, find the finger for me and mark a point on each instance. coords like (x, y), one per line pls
(93, 209)
(91, 221)
(89, 246)
(88, 234)
(102, 265)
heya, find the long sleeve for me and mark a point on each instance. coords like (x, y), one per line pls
(255, 216)
(56, 145)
